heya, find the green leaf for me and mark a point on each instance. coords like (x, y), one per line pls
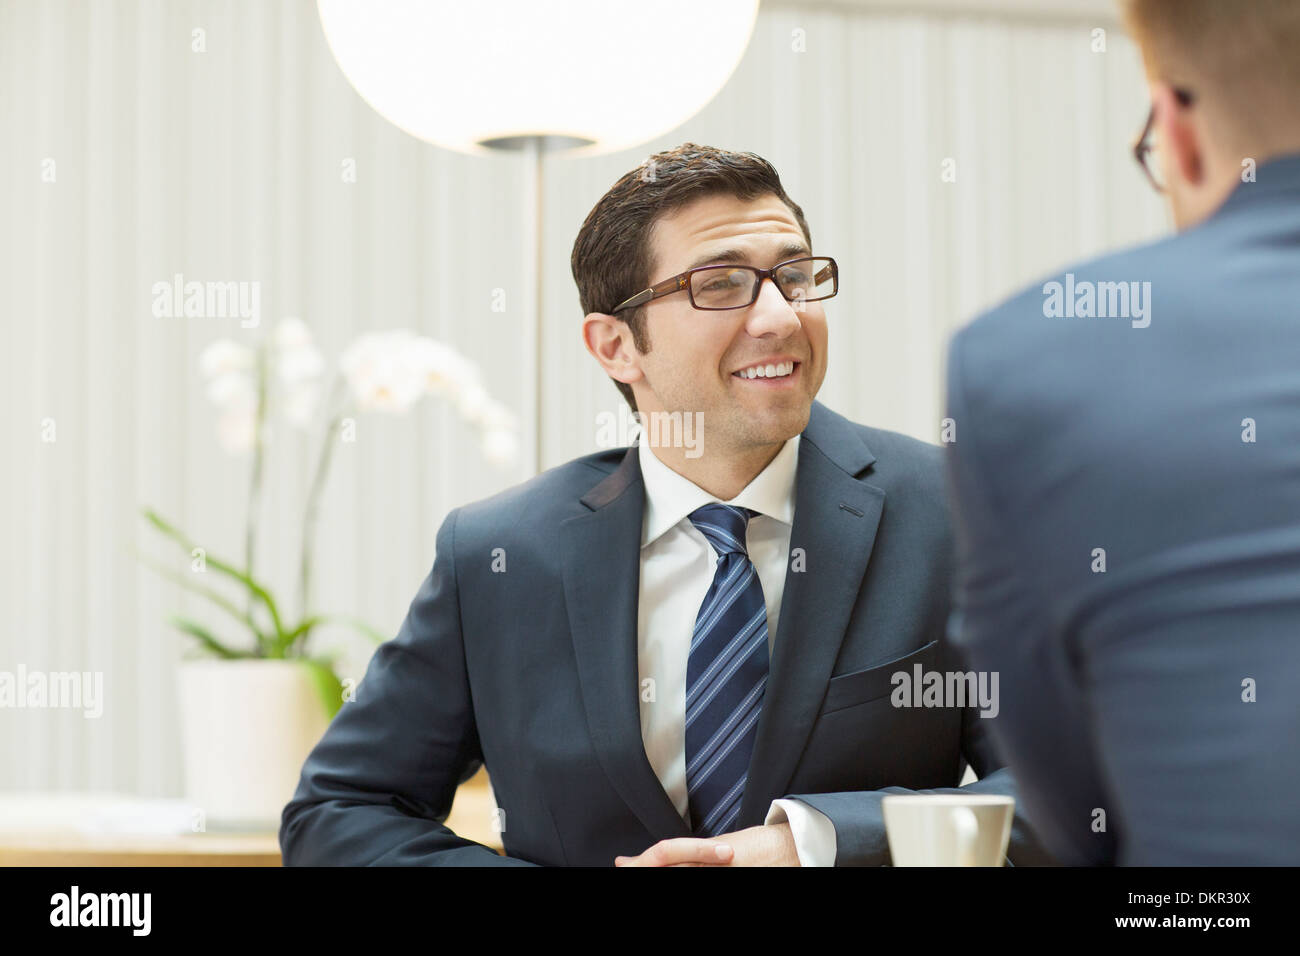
(261, 592)
(205, 637)
(221, 601)
(217, 564)
(327, 683)
(298, 633)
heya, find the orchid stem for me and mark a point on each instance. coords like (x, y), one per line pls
(313, 505)
(255, 486)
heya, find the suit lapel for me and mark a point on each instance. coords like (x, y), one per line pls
(835, 521)
(601, 559)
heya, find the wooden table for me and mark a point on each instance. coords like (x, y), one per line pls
(48, 830)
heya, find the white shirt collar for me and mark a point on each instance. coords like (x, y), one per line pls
(669, 497)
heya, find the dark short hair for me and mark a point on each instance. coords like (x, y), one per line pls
(611, 256)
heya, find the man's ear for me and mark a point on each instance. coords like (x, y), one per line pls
(609, 340)
(1178, 136)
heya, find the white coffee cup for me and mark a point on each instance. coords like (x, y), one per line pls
(942, 829)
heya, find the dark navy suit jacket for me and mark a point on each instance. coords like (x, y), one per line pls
(1150, 704)
(533, 672)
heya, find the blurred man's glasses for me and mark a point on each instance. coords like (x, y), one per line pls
(1144, 150)
(718, 288)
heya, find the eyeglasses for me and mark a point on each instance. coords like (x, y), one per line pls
(718, 288)
(1144, 148)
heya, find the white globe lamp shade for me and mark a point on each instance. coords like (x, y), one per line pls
(602, 75)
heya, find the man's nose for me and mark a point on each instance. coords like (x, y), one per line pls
(772, 314)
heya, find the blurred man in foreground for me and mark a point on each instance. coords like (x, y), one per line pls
(1126, 474)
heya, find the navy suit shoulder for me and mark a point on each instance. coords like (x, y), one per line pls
(546, 496)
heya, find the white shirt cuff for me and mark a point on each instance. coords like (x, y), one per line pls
(813, 832)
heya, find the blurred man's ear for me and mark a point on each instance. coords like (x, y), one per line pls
(1199, 170)
(1182, 149)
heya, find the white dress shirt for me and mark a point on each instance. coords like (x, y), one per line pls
(677, 567)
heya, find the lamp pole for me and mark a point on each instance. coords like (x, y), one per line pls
(533, 148)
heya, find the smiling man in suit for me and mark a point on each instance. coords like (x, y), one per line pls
(679, 652)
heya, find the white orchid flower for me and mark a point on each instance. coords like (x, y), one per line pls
(299, 367)
(445, 371)
(237, 430)
(301, 403)
(390, 371)
(301, 363)
(380, 372)
(225, 356)
(494, 416)
(291, 333)
(500, 446)
(472, 402)
(234, 391)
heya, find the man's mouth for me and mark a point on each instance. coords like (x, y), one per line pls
(774, 373)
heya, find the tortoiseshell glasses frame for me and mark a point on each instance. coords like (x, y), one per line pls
(823, 268)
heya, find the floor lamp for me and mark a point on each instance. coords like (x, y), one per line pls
(585, 77)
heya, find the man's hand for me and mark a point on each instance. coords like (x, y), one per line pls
(756, 846)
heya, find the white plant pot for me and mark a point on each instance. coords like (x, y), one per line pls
(247, 726)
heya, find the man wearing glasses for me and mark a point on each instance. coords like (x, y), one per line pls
(692, 654)
(1128, 498)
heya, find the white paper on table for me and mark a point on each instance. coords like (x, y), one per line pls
(93, 813)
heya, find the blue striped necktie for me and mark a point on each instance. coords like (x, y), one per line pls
(726, 673)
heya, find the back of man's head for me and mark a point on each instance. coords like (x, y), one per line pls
(1241, 59)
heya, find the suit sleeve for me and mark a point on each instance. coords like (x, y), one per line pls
(378, 786)
(999, 625)
(859, 821)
